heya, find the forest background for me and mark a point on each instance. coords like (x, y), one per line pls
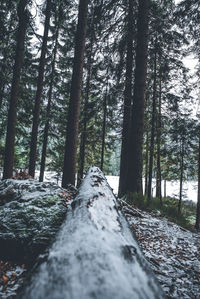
(171, 128)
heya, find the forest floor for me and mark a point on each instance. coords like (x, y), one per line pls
(173, 252)
(11, 278)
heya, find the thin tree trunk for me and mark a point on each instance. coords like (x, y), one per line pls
(158, 170)
(127, 103)
(197, 224)
(40, 83)
(165, 188)
(2, 87)
(146, 162)
(46, 129)
(12, 116)
(181, 177)
(69, 168)
(85, 115)
(134, 176)
(103, 130)
(152, 128)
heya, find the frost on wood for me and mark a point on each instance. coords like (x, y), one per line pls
(95, 254)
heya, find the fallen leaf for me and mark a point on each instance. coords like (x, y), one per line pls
(5, 279)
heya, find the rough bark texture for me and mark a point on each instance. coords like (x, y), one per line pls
(127, 103)
(11, 127)
(134, 177)
(75, 94)
(95, 254)
(197, 224)
(46, 128)
(152, 127)
(40, 83)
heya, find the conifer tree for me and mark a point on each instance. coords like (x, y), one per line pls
(36, 112)
(69, 168)
(134, 177)
(153, 122)
(11, 127)
(49, 103)
(127, 101)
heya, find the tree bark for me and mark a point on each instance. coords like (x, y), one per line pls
(158, 170)
(69, 168)
(152, 127)
(181, 175)
(197, 224)
(12, 116)
(134, 176)
(165, 188)
(46, 129)
(40, 83)
(146, 162)
(85, 115)
(127, 103)
(103, 130)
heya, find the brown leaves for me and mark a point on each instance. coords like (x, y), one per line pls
(9, 274)
(21, 175)
(5, 279)
(66, 197)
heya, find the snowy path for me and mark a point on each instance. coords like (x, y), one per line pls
(174, 253)
(95, 254)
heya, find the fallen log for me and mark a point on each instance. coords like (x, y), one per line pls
(95, 254)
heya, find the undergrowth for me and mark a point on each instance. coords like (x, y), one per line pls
(168, 209)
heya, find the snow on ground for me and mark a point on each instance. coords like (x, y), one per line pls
(172, 187)
(173, 252)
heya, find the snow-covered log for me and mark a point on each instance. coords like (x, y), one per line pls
(95, 254)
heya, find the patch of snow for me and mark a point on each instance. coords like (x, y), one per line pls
(189, 187)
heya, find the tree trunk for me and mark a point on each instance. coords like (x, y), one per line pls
(2, 87)
(158, 170)
(165, 188)
(40, 83)
(197, 224)
(103, 129)
(46, 129)
(146, 162)
(85, 116)
(12, 117)
(181, 176)
(152, 127)
(127, 103)
(134, 177)
(69, 168)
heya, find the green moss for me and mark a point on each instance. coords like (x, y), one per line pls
(168, 209)
(31, 217)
